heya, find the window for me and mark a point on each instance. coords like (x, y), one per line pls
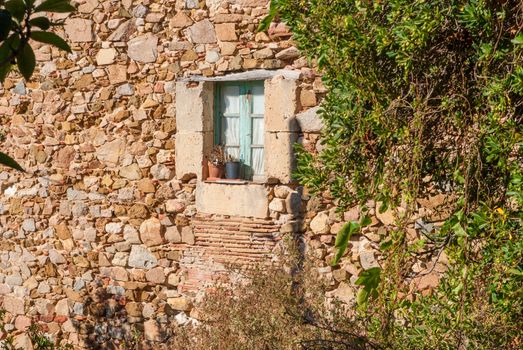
(239, 125)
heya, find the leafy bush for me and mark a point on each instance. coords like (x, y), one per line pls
(426, 97)
(271, 308)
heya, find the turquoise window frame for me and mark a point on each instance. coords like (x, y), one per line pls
(246, 116)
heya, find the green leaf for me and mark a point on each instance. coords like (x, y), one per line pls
(17, 8)
(6, 48)
(458, 230)
(55, 6)
(370, 280)
(10, 162)
(41, 22)
(386, 245)
(50, 38)
(518, 40)
(365, 221)
(266, 21)
(4, 70)
(5, 24)
(26, 61)
(363, 296)
(342, 239)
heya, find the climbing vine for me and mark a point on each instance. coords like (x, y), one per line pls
(425, 97)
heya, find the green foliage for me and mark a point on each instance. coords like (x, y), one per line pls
(16, 22)
(343, 237)
(426, 96)
(17, 19)
(39, 339)
(370, 280)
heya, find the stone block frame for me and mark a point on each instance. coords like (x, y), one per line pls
(194, 123)
(194, 138)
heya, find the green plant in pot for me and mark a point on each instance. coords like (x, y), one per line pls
(216, 163)
(232, 167)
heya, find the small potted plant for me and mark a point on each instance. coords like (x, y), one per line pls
(216, 163)
(232, 168)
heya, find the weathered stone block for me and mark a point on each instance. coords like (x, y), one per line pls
(142, 258)
(194, 106)
(280, 104)
(226, 32)
(151, 232)
(202, 32)
(280, 160)
(310, 121)
(248, 200)
(79, 30)
(190, 149)
(143, 48)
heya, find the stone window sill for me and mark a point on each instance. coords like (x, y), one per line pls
(227, 181)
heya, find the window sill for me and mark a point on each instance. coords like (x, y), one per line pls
(220, 181)
(227, 181)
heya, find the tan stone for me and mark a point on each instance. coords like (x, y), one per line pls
(13, 305)
(194, 106)
(151, 232)
(62, 231)
(64, 157)
(180, 20)
(173, 235)
(111, 152)
(288, 54)
(226, 32)
(308, 98)
(320, 223)
(190, 148)
(188, 235)
(228, 48)
(179, 303)
(151, 330)
(277, 205)
(143, 48)
(155, 275)
(117, 74)
(138, 211)
(133, 309)
(280, 159)
(79, 30)
(22, 323)
(146, 186)
(263, 53)
(131, 172)
(387, 217)
(246, 200)
(227, 18)
(202, 32)
(105, 56)
(280, 104)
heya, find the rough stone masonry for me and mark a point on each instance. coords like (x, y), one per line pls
(100, 235)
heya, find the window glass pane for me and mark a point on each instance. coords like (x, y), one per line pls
(230, 131)
(257, 161)
(257, 131)
(231, 99)
(258, 100)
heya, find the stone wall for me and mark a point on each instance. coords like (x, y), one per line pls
(100, 236)
(103, 234)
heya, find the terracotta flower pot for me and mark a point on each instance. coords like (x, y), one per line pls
(215, 171)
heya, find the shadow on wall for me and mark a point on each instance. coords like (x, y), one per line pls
(137, 318)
